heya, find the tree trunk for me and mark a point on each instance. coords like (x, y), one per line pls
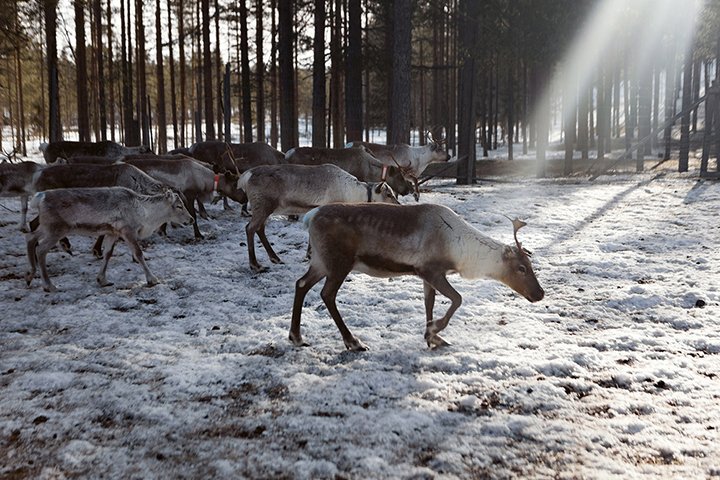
(695, 92)
(260, 72)
(582, 129)
(183, 78)
(288, 121)
(543, 119)
(207, 71)
(469, 16)
(141, 79)
(102, 101)
(171, 59)
(160, 69)
(399, 128)
(245, 79)
(273, 77)
(81, 83)
(353, 73)
(644, 115)
(218, 73)
(686, 101)
(319, 96)
(670, 87)
(337, 121)
(111, 71)
(570, 120)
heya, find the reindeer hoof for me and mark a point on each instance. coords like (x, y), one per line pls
(355, 345)
(152, 282)
(298, 341)
(50, 288)
(276, 261)
(436, 341)
(104, 283)
(257, 268)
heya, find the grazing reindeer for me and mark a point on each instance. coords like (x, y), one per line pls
(295, 189)
(426, 240)
(16, 180)
(410, 160)
(116, 212)
(67, 149)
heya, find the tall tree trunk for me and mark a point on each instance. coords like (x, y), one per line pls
(218, 73)
(273, 77)
(353, 72)
(695, 92)
(245, 66)
(288, 121)
(127, 127)
(141, 79)
(319, 96)
(582, 129)
(111, 70)
(102, 101)
(183, 77)
(336, 83)
(542, 118)
(399, 128)
(260, 72)
(171, 58)
(160, 69)
(81, 84)
(686, 101)
(644, 114)
(469, 16)
(21, 101)
(570, 120)
(670, 87)
(207, 71)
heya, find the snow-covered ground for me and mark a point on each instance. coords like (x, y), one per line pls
(616, 373)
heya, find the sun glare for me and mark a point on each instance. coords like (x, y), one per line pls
(639, 31)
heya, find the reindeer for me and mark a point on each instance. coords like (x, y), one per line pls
(16, 180)
(359, 162)
(66, 149)
(116, 212)
(193, 179)
(410, 160)
(295, 189)
(426, 240)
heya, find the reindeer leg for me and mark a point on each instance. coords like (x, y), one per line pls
(108, 244)
(328, 294)
(201, 210)
(416, 192)
(244, 210)
(43, 247)
(23, 213)
(190, 205)
(437, 281)
(268, 248)
(32, 243)
(137, 254)
(302, 286)
(97, 249)
(253, 226)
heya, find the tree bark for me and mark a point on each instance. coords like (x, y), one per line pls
(399, 128)
(288, 121)
(102, 101)
(141, 79)
(319, 95)
(245, 72)
(353, 73)
(207, 71)
(81, 83)
(160, 69)
(111, 71)
(259, 72)
(171, 59)
(183, 78)
(273, 77)
(685, 125)
(469, 16)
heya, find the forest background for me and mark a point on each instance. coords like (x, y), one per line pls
(324, 72)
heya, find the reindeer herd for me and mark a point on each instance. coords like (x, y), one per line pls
(348, 196)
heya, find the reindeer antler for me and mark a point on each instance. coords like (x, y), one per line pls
(517, 225)
(228, 150)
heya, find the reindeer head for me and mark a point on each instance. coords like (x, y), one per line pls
(518, 273)
(381, 193)
(438, 147)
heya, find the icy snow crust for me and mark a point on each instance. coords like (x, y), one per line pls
(613, 374)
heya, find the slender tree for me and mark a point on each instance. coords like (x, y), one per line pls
(111, 70)
(245, 78)
(399, 128)
(353, 73)
(288, 120)
(81, 84)
(142, 105)
(319, 96)
(259, 72)
(160, 75)
(98, 43)
(469, 16)
(171, 59)
(207, 71)
(273, 76)
(183, 71)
